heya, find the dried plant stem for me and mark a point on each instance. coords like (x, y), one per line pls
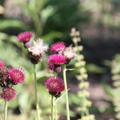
(52, 107)
(36, 95)
(5, 110)
(66, 93)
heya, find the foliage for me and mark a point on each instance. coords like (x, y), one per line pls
(116, 83)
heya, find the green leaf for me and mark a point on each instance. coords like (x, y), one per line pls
(95, 69)
(5, 24)
(46, 13)
(52, 35)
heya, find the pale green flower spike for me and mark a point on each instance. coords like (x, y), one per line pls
(82, 77)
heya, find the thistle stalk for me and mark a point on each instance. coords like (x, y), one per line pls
(5, 110)
(36, 95)
(66, 93)
(56, 115)
(52, 107)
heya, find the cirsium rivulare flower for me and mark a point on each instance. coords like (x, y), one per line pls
(55, 85)
(69, 53)
(4, 77)
(38, 48)
(57, 59)
(8, 94)
(24, 37)
(57, 47)
(16, 76)
(1, 64)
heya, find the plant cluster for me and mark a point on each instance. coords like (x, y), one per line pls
(9, 77)
(58, 62)
(60, 58)
(35, 50)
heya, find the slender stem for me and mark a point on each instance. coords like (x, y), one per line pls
(66, 91)
(56, 114)
(52, 107)
(36, 95)
(5, 110)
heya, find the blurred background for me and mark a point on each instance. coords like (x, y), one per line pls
(99, 24)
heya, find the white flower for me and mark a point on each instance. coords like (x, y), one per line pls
(38, 48)
(69, 53)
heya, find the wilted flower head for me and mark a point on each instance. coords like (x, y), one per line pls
(38, 48)
(8, 94)
(1, 64)
(24, 37)
(57, 59)
(69, 53)
(37, 51)
(4, 78)
(16, 76)
(55, 85)
(57, 47)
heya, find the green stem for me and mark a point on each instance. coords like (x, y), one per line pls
(66, 93)
(56, 117)
(37, 24)
(52, 107)
(5, 110)
(36, 95)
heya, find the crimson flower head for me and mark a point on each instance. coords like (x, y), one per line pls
(24, 37)
(55, 86)
(57, 59)
(16, 76)
(8, 94)
(1, 64)
(57, 47)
